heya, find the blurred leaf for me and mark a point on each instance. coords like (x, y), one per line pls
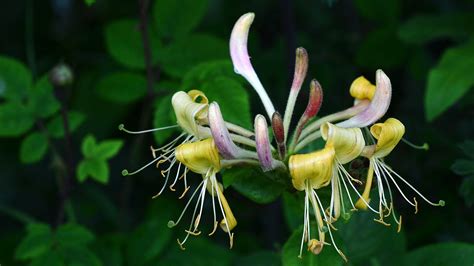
(291, 250)
(95, 168)
(78, 255)
(109, 249)
(124, 43)
(41, 100)
(463, 167)
(107, 149)
(293, 208)
(183, 54)
(33, 147)
(459, 254)
(37, 241)
(73, 234)
(253, 184)
(51, 258)
(232, 98)
(385, 12)
(15, 79)
(167, 86)
(202, 251)
(381, 48)
(177, 18)
(15, 119)
(468, 148)
(122, 87)
(425, 28)
(449, 80)
(163, 117)
(88, 146)
(467, 190)
(368, 242)
(260, 258)
(203, 72)
(55, 126)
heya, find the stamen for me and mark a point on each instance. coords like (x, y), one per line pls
(184, 192)
(172, 223)
(216, 187)
(176, 178)
(213, 212)
(121, 127)
(416, 205)
(425, 145)
(126, 173)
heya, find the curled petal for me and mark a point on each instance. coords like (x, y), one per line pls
(317, 167)
(388, 134)
(221, 135)
(229, 222)
(378, 106)
(190, 109)
(348, 143)
(241, 59)
(200, 156)
(361, 88)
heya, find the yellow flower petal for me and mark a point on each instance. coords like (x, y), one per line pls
(388, 134)
(361, 88)
(199, 156)
(348, 143)
(190, 109)
(316, 167)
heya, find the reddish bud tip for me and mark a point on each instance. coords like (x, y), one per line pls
(315, 99)
(277, 126)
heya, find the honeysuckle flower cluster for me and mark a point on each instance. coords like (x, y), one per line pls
(208, 144)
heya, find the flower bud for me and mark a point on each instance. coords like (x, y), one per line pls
(61, 75)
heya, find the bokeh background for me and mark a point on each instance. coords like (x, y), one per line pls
(63, 200)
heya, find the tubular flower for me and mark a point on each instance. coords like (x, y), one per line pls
(347, 144)
(202, 157)
(191, 111)
(388, 135)
(310, 172)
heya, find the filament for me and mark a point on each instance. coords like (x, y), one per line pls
(121, 127)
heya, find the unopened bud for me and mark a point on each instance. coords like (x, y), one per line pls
(61, 75)
(279, 133)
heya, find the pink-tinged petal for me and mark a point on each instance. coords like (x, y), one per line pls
(241, 59)
(263, 143)
(377, 107)
(301, 68)
(221, 134)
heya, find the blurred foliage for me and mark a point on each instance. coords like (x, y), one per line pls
(63, 200)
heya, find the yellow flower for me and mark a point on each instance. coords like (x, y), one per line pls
(310, 172)
(202, 157)
(388, 135)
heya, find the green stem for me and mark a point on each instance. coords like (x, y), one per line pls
(17, 215)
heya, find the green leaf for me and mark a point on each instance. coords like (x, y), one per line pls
(463, 167)
(163, 116)
(15, 119)
(109, 249)
(203, 72)
(124, 43)
(293, 207)
(291, 250)
(253, 184)
(468, 148)
(183, 54)
(95, 168)
(385, 12)
(381, 48)
(73, 234)
(369, 243)
(177, 18)
(33, 148)
(232, 98)
(107, 149)
(425, 28)
(55, 126)
(467, 190)
(449, 80)
(88, 146)
(459, 254)
(78, 255)
(122, 87)
(51, 258)
(260, 258)
(15, 79)
(38, 240)
(41, 100)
